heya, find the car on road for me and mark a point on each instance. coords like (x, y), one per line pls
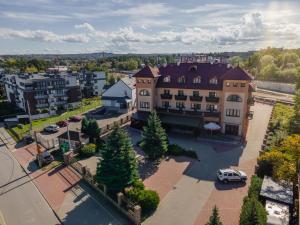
(75, 119)
(45, 158)
(231, 175)
(28, 139)
(51, 128)
(62, 123)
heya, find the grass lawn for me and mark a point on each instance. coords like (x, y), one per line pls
(38, 125)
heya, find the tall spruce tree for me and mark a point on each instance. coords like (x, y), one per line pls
(214, 219)
(118, 169)
(84, 125)
(93, 130)
(253, 213)
(155, 140)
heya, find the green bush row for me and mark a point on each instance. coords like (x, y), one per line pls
(177, 150)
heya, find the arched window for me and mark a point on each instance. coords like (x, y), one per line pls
(167, 79)
(234, 98)
(181, 79)
(197, 80)
(213, 80)
(144, 92)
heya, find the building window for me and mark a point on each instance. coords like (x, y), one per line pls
(235, 84)
(180, 105)
(227, 84)
(211, 108)
(180, 93)
(144, 105)
(195, 93)
(167, 79)
(166, 92)
(213, 81)
(165, 104)
(234, 98)
(243, 85)
(144, 92)
(149, 81)
(197, 80)
(181, 79)
(195, 106)
(233, 112)
(212, 94)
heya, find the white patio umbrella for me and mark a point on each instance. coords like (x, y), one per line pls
(212, 126)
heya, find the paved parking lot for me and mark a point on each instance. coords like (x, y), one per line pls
(188, 188)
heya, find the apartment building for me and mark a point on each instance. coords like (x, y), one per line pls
(91, 83)
(188, 95)
(45, 93)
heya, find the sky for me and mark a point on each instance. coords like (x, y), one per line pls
(140, 26)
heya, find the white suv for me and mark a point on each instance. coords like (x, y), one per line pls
(231, 175)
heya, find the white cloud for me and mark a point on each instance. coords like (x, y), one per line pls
(143, 10)
(85, 26)
(42, 35)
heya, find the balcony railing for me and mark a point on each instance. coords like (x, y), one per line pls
(40, 96)
(181, 97)
(166, 96)
(212, 99)
(212, 114)
(196, 98)
(43, 105)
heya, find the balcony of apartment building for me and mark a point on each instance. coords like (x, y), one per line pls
(212, 97)
(212, 113)
(180, 96)
(42, 105)
(166, 95)
(43, 96)
(196, 97)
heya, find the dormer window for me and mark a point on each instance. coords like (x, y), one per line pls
(197, 80)
(181, 79)
(213, 80)
(144, 92)
(167, 79)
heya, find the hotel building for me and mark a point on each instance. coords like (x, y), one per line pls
(189, 95)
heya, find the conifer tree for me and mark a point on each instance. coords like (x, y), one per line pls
(253, 213)
(84, 125)
(214, 218)
(155, 140)
(118, 168)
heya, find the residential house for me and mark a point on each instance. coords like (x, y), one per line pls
(120, 97)
(188, 95)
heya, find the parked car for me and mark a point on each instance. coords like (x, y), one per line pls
(28, 139)
(51, 128)
(62, 123)
(231, 175)
(45, 157)
(75, 118)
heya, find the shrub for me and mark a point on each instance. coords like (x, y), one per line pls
(88, 150)
(147, 199)
(253, 212)
(255, 186)
(177, 150)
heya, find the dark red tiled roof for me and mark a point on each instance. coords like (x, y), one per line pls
(147, 71)
(206, 71)
(237, 73)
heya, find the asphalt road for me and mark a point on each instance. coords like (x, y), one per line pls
(20, 201)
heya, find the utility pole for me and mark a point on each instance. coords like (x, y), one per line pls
(69, 140)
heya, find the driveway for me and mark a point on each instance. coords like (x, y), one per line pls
(188, 198)
(71, 198)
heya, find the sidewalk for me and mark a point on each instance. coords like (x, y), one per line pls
(69, 197)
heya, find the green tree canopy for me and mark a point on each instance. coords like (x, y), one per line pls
(253, 213)
(214, 219)
(155, 140)
(118, 169)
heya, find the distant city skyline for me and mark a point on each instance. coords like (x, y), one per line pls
(132, 26)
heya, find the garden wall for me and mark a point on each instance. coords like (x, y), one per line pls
(276, 86)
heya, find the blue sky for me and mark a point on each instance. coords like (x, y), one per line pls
(136, 26)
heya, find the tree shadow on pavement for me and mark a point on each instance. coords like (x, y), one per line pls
(147, 168)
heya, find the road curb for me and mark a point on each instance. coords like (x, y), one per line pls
(31, 179)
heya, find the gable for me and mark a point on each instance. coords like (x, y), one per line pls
(119, 89)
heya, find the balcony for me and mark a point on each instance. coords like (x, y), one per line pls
(43, 105)
(166, 96)
(212, 99)
(182, 111)
(60, 103)
(196, 98)
(212, 114)
(40, 96)
(181, 97)
(59, 94)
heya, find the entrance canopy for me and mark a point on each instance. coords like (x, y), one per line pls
(212, 126)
